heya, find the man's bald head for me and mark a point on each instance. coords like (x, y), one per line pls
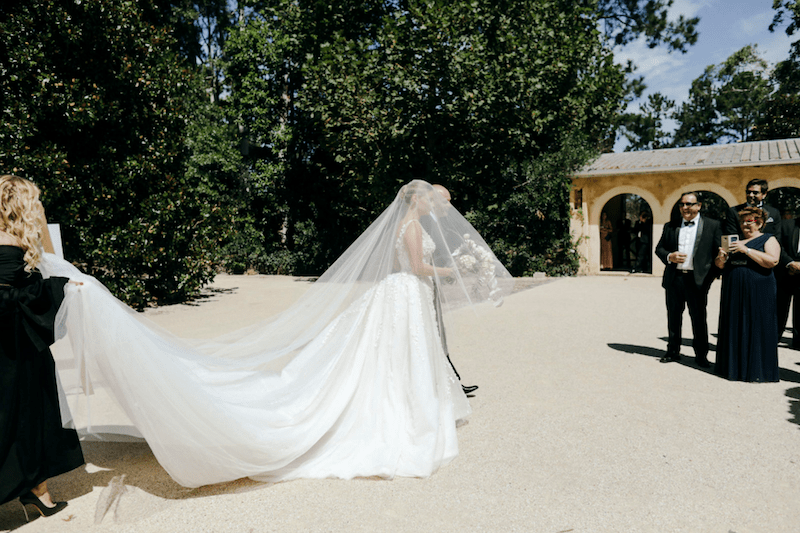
(441, 190)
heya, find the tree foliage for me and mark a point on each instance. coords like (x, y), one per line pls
(787, 9)
(626, 20)
(738, 100)
(697, 117)
(170, 135)
(96, 100)
(726, 101)
(345, 102)
(644, 130)
(781, 114)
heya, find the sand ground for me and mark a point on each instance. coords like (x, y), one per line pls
(576, 427)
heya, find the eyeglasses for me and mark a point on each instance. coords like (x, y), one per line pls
(687, 204)
(750, 221)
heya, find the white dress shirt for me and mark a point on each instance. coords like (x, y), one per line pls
(686, 237)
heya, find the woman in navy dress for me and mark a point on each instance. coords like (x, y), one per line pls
(747, 349)
(34, 445)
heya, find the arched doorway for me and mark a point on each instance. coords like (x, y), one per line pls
(786, 200)
(626, 234)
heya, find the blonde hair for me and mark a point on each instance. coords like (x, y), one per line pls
(414, 188)
(21, 215)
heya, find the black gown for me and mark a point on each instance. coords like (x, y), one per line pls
(747, 349)
(33, 444)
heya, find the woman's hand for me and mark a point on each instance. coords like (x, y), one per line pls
(737, 247)
(722, 258)
(446, 274)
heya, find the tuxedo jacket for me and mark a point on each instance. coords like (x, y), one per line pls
(643, 231)
(771, 225)
(790, 235)
(706, 248)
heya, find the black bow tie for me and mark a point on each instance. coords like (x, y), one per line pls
(688, 224)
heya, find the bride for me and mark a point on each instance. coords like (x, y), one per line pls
(350, 381)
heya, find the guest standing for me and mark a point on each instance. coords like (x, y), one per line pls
(624, 242)
(606, 251)
(756, 194)
(787, 277)
(644, 230)
(747, 349)
(33, 444)
(688, 247)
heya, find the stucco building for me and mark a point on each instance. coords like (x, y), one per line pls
(656, 179)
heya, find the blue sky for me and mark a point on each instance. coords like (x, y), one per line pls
(725, 27)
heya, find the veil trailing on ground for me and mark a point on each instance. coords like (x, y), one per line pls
(262, 400)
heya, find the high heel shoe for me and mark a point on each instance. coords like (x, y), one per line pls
(31, 499)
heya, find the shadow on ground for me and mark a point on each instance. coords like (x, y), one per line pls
(794, 404)
(108, 460)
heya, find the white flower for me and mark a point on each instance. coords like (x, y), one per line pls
(466, 262)
(470, 257)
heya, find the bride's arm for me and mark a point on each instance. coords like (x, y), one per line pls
(412, 239)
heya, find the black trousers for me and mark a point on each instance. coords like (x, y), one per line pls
(788, 289)
(437, 305)
(643, 255)
(683, 292)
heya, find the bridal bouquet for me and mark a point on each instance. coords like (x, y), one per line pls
(472, 258)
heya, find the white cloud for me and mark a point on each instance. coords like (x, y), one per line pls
(678, 93)
(776, 47)
(756, 24)
(651, 62)
(663, 72)
(688, 8)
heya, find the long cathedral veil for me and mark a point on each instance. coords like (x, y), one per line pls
(208, 390)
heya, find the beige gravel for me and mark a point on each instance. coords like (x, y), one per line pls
(576, 427)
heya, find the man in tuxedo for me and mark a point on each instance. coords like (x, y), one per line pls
(442, 256)
(788, 275)
(688, 247)
(643, 229)
(756, 192)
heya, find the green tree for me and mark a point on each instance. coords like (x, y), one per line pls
(697, 117)
(781, 114)
(96, 103)
(626, 20)
(644, 130)
(787, 9)
(744, 86)
(780, 118)
(529, 230)
(726, 101)
(347, 101)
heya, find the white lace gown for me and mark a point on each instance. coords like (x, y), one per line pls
(371, 395)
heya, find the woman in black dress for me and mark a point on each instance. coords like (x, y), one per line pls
(747, 349)
(33, 444)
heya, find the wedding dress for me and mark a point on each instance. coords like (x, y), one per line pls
(350, 381)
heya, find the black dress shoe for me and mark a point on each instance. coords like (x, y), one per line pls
(670, 358)
(468, 389)
(702, 363)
